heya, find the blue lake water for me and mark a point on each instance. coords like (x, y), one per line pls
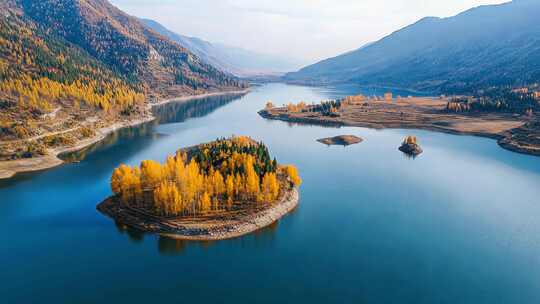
(459, 224)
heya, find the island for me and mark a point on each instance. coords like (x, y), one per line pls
(511, 116)
(410, 146)
(213, 191)
(342, 140)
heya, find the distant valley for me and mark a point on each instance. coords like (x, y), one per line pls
(237, 61)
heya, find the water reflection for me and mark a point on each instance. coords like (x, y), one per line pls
(128, 134)
(173, 247)
(134, 235)
(461, 218)
(181, 111)
(167, 113)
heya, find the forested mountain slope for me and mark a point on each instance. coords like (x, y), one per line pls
(127, 46)
(69, 67)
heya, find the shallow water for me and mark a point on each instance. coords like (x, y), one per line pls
(459, 224)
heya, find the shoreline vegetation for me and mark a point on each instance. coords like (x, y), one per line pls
(9, 168)
(217, 190)
(513, 131)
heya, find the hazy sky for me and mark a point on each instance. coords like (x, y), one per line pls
(308, 30)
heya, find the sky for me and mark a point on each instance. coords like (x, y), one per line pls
(304, 30)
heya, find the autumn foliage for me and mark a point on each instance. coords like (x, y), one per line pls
(40, 94)
(37, 70)
(207, 178)
(410, 140)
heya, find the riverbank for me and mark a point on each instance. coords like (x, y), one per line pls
(218, 226)
(512, 132)
(10, 168)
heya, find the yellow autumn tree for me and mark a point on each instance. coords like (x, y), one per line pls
(126, 182)
(193, 185)
(167, 200)
(292, 174)
(151, 174)
(270, 187)
(206, 203)
(251, 182)
(229, 184)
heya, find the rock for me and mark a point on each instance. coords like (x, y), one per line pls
(410, 146)
(411, 149)
(342, 140)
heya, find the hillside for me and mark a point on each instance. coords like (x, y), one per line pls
(234, 60)
(126, 45)
(484, 46)
(71, 67)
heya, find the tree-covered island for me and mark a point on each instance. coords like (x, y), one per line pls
(222, 189)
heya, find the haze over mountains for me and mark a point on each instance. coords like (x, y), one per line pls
(484, 46)
(237, 61)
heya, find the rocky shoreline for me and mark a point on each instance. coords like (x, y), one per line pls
(201, 228)
(10, 168)
(505, 139)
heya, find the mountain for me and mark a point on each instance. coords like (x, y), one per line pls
(70, 67)
(485, 46)
(234, 60)
(126, 45)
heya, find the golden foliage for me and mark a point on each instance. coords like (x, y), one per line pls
(457, 107)
(410, 140)
(270, 187)
(294, 177)
(37, 94)
(295, 108)
(351, 100)
(126, 181)
(185, 187)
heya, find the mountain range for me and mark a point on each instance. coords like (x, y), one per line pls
(70, 67)
(235, 60)
(486, 46)
(125, 45)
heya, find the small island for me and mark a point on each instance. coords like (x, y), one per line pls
(410, 146)
(219, 190)
(509, 115)
(342, 140)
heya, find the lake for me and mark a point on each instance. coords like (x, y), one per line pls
(458, 224)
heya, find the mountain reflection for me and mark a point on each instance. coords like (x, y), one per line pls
(127, 134)
(181, 111)
(173, 112)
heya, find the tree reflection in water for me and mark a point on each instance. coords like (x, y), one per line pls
(173, 247)
(134, 235)
(126, 134)
(261, 237)
(174, 112)
(170, 246)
